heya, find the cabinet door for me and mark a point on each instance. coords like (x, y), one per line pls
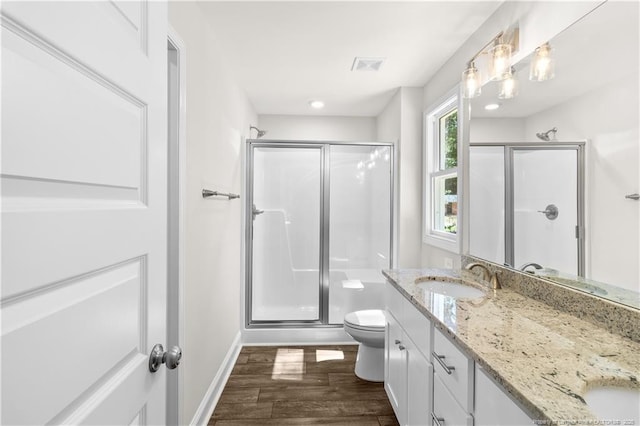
(395, 374)
(446, 410)
(419, 387)
(494, 407)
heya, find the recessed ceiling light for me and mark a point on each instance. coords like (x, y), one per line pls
(316, 104)
(491, 107)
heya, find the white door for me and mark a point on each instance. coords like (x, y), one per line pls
(83, 211)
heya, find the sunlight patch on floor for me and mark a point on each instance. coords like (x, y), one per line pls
(288, 365)
(328, 355)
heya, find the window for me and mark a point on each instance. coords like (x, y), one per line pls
(441, 186)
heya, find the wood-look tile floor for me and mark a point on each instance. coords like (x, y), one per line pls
(301, 385)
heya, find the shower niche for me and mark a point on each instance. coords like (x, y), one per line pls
(527, 204)
(318, 231)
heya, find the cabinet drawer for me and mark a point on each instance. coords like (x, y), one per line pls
(394, 302)
(493, 406)
(418, 327)
(445, 408)
(454, 368)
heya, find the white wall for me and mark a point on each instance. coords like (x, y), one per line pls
(613, 150)
(317, 128)
(218, 117)
(507, 130)
(538, 22)
(401, 121)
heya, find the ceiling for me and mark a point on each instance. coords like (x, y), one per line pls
(285, 54)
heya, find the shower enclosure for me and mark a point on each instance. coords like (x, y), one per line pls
(527, 205)
(319, 230)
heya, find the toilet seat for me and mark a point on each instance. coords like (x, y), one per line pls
(367, 320)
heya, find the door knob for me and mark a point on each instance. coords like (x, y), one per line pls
(158, 357)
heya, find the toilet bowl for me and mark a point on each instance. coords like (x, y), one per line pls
(367, 328)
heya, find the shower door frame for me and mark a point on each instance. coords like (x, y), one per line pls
(509, 204)
(325, 214)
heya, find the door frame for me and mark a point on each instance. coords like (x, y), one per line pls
(509, 151)
(509, 148)
(177, 137)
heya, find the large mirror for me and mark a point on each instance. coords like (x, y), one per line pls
(553, 171)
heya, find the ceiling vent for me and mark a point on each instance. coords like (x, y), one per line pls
(367, 64)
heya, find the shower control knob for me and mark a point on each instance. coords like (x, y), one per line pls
(158, 356)
(551, 212)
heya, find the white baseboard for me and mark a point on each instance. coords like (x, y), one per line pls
(296, 336)
(208, 404)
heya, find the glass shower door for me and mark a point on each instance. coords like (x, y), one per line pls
(545, 205)
(285, 257)
(360, 227)
(487, 203)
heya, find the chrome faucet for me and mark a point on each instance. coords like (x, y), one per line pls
(492, 278)
(526, 265)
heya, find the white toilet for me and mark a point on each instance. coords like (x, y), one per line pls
(367, 328)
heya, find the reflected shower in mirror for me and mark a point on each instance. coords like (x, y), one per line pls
(593, 98)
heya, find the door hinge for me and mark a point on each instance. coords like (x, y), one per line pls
(579, 232)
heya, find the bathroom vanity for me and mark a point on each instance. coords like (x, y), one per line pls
(495, 358)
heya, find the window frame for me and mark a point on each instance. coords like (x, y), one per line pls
(432, 172)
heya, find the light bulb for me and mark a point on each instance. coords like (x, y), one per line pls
(509, 86)
(500, 61)
(471, 82)
(543, 64)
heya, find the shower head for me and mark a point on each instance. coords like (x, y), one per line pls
(545, 136)
(261, 133)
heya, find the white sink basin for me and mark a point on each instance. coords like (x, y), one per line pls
(615, 403)
(451, 289)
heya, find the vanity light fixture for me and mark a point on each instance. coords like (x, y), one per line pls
(499, 49)
(471, 84)
(316, 104)
(543, 64)
(491, 107)
(509, 86)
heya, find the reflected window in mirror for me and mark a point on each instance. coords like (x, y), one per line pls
(441, 187)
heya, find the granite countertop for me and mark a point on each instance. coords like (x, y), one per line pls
(546, 359)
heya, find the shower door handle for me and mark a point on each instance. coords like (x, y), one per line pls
(255, 212)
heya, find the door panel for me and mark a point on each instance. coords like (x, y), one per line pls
(486, 203)
(542, 178)
(83, 211)
(287, 189)
(110, 140)
(359, 227)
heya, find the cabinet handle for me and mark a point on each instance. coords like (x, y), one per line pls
(398, 342)
(402, 348)
(439, 421)
(440, 359)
